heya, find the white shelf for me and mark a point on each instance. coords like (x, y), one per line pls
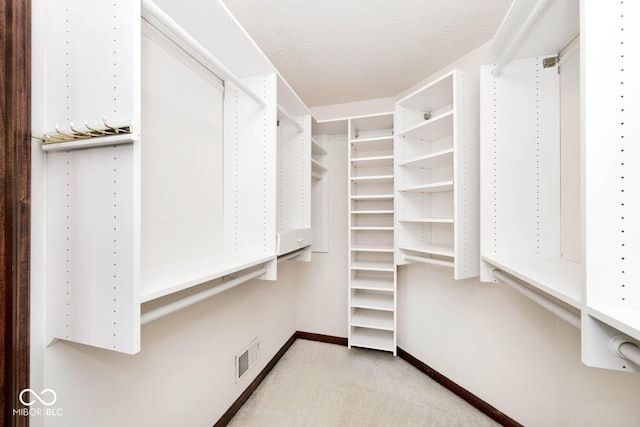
(428, 220)
(372, 212)
(371, 228)
(373, 139)
(431, 188)
(371, 248)
(374, 161)
(373, 197)
(435, 128)
(317, 149)
(372, 338)
(373, 265)
(316, 166)
(554, 276)
(373, 179)
(175, 277)
(434, 160)
(442, 250)
(429, 98)
(382, 302)
(626, 321)
(373, 284)
(373, 319)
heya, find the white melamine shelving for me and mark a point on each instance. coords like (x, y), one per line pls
(560, 176)
(436, 183)
(372, 272)
(294, 175)
(322, 133)
(140, 215)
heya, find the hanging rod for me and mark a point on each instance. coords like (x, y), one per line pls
(426, 260)
(619, 345)
(507, 56)
(151, 12)
(623, 347)
(555, 308)
(174, 306)
(290, 255)
(290, 118)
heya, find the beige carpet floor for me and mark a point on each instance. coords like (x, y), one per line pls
(326, 385)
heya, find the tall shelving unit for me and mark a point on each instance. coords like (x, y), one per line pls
(436, 171)
(559, 171)
(372, 271)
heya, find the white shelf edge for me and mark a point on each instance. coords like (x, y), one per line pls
(204, 275)
(441, 250)
(90, 142)
(315, 165)
(430, 188)
(319, 149)
(372, 248)
(382, 302)
(426, 123)
(372, 266)
(428, 220)
(371, 228)
(371, 159)
(431, 156)
(372, 139)
(624, 320)
(542, 272)
(373, 212)
(372, 197)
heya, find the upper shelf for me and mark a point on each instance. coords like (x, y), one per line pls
(431, 97)
(435, 128)
(431, 188)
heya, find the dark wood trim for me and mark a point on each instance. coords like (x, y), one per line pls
(461, 392)
(235, 407)
(15, 201)
(322, 338)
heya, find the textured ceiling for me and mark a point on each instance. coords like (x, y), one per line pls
(335, 51)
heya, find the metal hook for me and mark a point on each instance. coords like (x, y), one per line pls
(115, 130)
(99, 131)
(65, 135)
(77, 132)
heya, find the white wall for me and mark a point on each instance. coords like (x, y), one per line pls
(321, 290)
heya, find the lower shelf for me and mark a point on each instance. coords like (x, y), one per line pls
(555, 276)
(373, 319)
(375, 301)
(627, 321)
(372, 338)
(372, 284)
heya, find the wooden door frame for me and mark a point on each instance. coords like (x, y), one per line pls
(15, 203)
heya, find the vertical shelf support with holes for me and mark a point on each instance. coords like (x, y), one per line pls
(130, 221)
(321, 135)
(611, 197)
(436, 170)
(372, 271)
